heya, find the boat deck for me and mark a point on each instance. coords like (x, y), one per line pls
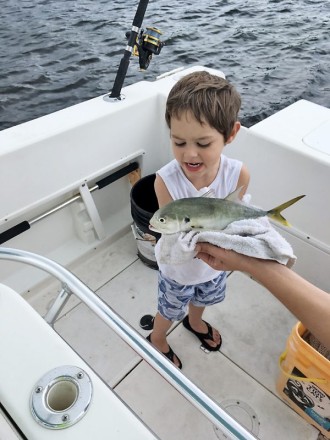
(241, 377)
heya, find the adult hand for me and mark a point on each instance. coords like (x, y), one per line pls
(221, 259)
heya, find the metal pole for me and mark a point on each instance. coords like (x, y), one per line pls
(58, 305)
(157, 360)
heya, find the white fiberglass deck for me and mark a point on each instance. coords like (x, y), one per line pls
(241, 377)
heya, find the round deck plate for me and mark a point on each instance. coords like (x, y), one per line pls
(61, 397)
(241, 412)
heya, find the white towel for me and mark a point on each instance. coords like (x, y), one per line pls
(253, 237)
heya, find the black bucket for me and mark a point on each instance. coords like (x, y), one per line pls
(143, 206)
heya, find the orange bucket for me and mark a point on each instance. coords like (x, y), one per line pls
(304, 381)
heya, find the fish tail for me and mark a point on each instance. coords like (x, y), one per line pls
(275, 213)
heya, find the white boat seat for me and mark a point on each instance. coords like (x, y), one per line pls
(29, 349)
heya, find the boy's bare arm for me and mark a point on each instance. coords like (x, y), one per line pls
(163, 196)
(244, 180)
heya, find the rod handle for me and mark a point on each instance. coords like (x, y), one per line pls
(117, 175)
(14, 231)
(141, 9)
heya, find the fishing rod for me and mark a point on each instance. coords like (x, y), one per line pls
(105, 181)
(140, 43)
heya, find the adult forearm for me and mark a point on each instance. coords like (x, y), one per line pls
(308, 303)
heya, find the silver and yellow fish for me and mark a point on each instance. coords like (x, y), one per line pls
(209, 214)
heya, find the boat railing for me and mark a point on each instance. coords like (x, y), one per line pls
(72, 285)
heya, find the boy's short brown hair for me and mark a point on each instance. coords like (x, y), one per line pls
(209, 97)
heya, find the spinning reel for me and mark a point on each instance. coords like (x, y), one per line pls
(140, 43)
(147, 44)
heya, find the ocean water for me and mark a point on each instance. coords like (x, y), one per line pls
(57, 53)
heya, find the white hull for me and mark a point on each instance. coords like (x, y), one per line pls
(46, 161)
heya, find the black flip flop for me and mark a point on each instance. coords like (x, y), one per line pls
(202, 336)
(170, 354)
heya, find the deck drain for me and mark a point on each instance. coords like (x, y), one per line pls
(241, 412)
(61, 397)
(147, 322)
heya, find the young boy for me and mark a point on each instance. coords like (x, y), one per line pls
(201, 112)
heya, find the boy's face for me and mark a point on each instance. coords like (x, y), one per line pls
(197, 147)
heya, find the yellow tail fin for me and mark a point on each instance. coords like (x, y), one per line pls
(275, 213)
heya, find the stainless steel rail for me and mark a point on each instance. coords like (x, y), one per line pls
(158, 361)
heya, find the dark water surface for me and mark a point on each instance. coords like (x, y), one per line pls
(56, 53)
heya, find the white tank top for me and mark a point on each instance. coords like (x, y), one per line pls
(225, 182)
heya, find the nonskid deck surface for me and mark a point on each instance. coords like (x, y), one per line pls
(241, 377)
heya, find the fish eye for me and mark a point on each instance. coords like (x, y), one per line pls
(162, 220)
(186, 219)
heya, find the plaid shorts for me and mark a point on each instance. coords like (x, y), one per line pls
(173, 298)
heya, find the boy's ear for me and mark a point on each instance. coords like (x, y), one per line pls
(234, 132)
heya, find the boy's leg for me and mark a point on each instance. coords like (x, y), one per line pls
(207, 294)
(197, 324)
(158, 335)
(172, 302)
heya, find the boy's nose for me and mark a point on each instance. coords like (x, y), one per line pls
(191, 152)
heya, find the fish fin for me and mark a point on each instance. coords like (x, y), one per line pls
(209, 194)
(234, 196)
(275, 213)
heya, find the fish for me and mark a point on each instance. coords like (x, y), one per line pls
(210, 214)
